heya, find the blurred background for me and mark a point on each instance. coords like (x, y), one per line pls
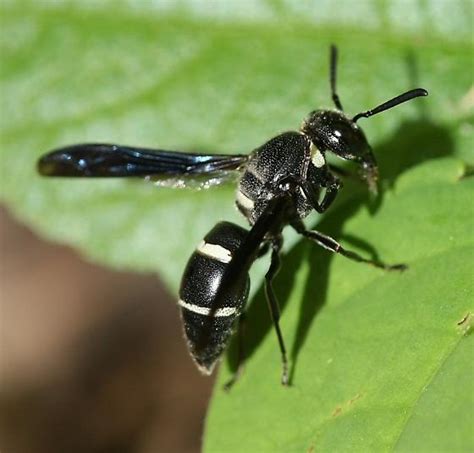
(92, 360)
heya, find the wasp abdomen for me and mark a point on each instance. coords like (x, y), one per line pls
(208, 321)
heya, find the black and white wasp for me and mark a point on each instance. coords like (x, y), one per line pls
(280, 183)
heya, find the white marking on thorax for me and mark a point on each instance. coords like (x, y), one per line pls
(206, 311)
(215, 251)
(317, 157)
(244, 201)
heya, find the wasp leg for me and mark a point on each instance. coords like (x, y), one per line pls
(271, 220)
(263, 250)
(330, 194)
(332, 245)
(332, 188)
(240, 353)
(273, 304)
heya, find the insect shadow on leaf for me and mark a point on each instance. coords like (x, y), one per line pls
(415, 141)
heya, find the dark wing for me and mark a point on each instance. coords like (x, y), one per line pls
(98, 160)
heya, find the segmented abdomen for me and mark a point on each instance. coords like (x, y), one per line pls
(210, 297)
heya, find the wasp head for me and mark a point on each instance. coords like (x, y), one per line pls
(331, 130)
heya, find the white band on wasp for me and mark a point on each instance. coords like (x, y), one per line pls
(215, 251)
(206, 311)
(244, 201)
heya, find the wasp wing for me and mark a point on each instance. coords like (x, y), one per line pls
(167, 168)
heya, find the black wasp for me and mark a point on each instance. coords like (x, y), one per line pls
(280, 183)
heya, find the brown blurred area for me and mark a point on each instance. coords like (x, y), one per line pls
(91, 360)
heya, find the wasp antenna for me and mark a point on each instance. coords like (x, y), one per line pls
(400, 99)
(333, 77)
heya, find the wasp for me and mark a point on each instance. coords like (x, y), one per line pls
(279, 184)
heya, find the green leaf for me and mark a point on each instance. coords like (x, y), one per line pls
(378, 361)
